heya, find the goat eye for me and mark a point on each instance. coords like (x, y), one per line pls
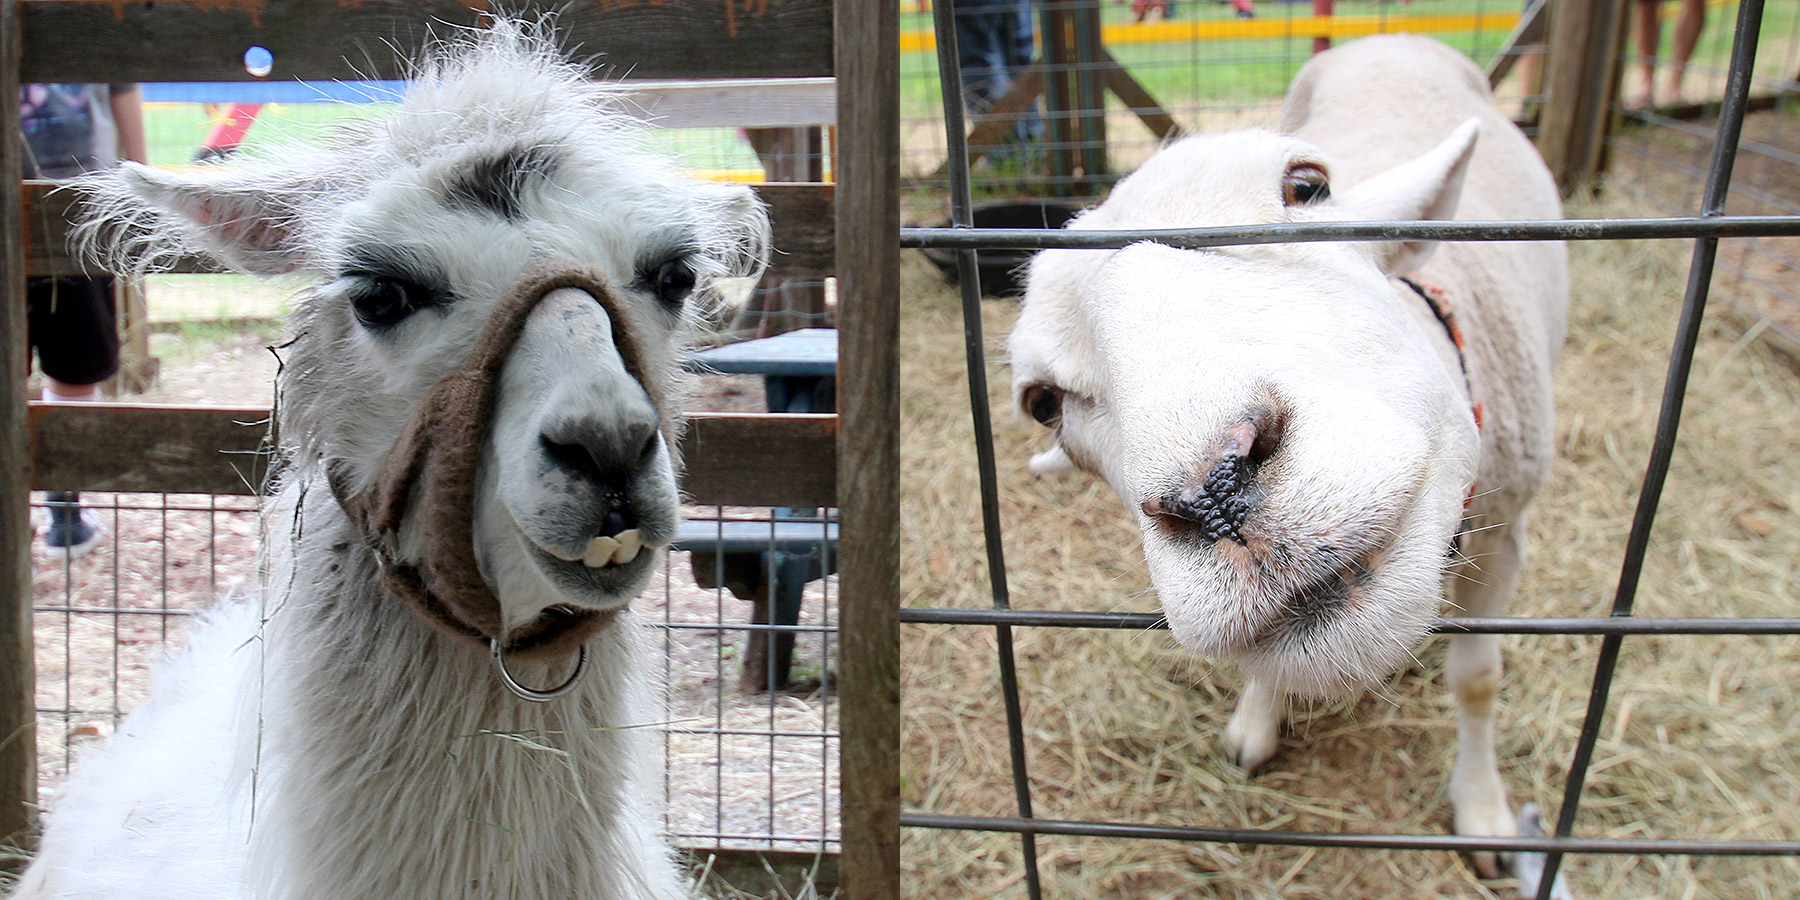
(1304, 183)
(383, 301)
(1044, 403)
(673, 283)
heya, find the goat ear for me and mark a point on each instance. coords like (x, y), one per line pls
(739, 234)
(248, 224)
(1425, 187)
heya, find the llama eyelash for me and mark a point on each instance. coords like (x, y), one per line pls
(672, 271)
(386, 286)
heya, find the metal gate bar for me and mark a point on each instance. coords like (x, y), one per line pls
(962, 216)
(1707, 229)
(919, 615)
(1496, 230)
(1264, 836)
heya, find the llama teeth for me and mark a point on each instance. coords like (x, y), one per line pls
(600, 552)
(630, 542)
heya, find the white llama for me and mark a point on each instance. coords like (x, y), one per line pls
(351, 732)
(1299, 432)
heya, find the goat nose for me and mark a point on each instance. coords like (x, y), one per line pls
(1216, 504)
(604, 449)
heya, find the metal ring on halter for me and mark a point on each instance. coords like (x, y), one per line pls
(526, 693)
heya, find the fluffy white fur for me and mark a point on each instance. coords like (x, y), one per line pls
(1158, 352)
(319, 740)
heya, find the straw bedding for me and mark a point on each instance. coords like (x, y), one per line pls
(1123, 727)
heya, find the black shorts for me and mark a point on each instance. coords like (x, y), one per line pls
(72, 325)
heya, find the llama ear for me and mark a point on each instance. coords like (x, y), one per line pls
(244, 221)
(1425, 187)
(737, 228)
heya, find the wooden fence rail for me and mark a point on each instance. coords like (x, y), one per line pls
(801, 214)
(205, 40)
(732, 459)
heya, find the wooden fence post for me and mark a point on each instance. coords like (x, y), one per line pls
(1075, 96)
(18, 670)
(1580, 85)
(868, 271)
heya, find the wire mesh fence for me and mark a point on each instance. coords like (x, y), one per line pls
(752, 760)
(1671, 100)
(1715, 173)
(749, 768)
(1109, 82)
(102, 620)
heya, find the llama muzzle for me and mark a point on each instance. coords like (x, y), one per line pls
(432, 467)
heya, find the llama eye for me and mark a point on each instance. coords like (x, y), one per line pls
(382, 301)
(673, 282)
(1304, 183)
(1044, 403)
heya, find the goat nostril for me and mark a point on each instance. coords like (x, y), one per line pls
(1269, 426)
(1256, 436)
(1215, 505)
(1197, 509)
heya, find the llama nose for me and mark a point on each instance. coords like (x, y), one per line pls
(605, 450)
(1216, 504)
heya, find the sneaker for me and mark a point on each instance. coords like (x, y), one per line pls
(72, 533)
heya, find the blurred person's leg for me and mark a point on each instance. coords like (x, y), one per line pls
(73, 326)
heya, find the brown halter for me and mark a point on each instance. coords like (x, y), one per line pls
(432, 467)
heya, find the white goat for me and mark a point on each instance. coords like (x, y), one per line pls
(1298, 434)
(347, 734)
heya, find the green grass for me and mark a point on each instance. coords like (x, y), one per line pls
(1181, 76)
(1223, 72)
(1247, 72)
(175, 132)
(196, 341)
(202, 298)
(1200, 10)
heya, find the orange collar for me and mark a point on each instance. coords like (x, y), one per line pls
(1439, 301)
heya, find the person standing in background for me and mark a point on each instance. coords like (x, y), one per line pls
(1646, 25)
(994, 44)
(70, 129)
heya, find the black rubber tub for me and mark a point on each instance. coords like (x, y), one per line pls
(1002, 272)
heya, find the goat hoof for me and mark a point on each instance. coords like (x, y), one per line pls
(1249, 749)
(1487, 866)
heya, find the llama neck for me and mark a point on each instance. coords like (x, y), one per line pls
(399, 767)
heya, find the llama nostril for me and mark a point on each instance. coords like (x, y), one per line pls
(604, 451)
(574, 458)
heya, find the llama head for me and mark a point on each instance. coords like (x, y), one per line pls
(415, 226)
(1290, 440)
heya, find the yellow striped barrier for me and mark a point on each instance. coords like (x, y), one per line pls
(1334, 27)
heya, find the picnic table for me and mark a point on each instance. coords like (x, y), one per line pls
(770, 562)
